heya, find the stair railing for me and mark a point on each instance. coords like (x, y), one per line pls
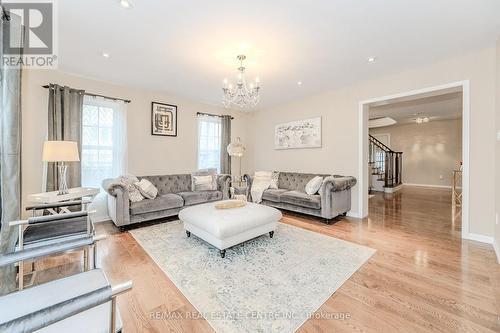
(386, 161)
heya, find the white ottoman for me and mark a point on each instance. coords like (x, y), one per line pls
(224, 228)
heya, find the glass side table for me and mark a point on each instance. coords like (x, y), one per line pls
(239, 190)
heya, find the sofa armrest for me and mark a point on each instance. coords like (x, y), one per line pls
(333, 184)
(90, 289)
(119, 206)
(54, 313)
(46, 250)
(337, 183)
(223, 184)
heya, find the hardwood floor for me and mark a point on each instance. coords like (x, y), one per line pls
(423, 277)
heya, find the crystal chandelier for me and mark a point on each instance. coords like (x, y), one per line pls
(241, 94)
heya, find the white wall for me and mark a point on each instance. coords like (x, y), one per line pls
(497, 154)
(339, 110)
(148, 154)
(430, 150)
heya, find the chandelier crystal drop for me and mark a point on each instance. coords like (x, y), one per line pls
(241, 94)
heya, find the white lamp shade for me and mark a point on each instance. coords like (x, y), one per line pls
(60, 151)
(236, 149)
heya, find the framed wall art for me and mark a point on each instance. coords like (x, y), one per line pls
(163, 119)
(298, 134)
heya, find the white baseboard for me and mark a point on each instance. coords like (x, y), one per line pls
(427, 185)
(393, 189)
(496, 247)
(478, 238)
(353, 214)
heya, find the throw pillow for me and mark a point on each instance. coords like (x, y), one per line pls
(127, 182)
(202, 183)
(274, 180)
(205, 172)
(313, 186)
(147, 189)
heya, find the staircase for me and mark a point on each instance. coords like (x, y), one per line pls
(385, 167)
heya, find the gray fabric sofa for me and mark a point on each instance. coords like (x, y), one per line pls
(174, 193)
(333, 198)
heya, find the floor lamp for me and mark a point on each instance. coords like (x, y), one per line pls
(237, 149)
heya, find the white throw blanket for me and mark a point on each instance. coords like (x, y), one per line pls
(260, 183)
(127, 183)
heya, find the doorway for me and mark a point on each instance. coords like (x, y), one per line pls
(364, 107)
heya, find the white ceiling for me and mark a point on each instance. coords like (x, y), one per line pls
(439, 107)
(186, 48)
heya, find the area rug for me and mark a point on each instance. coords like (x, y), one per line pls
(264, 285)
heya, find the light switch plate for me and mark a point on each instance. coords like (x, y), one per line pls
(498, 135)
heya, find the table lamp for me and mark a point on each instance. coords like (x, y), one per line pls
(236, 149)
(60, 152)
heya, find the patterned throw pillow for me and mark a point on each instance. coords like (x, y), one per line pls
(147, 189)
(274, 180)
(127, 182)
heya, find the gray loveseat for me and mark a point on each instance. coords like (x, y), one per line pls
(333, 198)
(174, 193)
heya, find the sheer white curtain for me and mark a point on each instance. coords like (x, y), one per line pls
(104, 140)
(209, 142)
(120, 151)
(104, 147)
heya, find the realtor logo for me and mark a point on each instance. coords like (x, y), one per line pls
(30, 34)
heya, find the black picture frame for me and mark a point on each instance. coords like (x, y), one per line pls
(163, 119)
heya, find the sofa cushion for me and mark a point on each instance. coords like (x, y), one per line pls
(273, 194)
(301, 199)
(193, 198)
(161, 202)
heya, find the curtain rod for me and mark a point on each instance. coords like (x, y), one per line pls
(97, 95)
(210, 114)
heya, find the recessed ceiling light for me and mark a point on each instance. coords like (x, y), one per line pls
(299, 83)
(125, 3)
(371, 59)
(105, 55)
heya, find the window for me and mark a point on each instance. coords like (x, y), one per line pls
(209, 142)
(103, 141)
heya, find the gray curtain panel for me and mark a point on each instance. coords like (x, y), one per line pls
(65, 123)
(225, 159)
(10, 152)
